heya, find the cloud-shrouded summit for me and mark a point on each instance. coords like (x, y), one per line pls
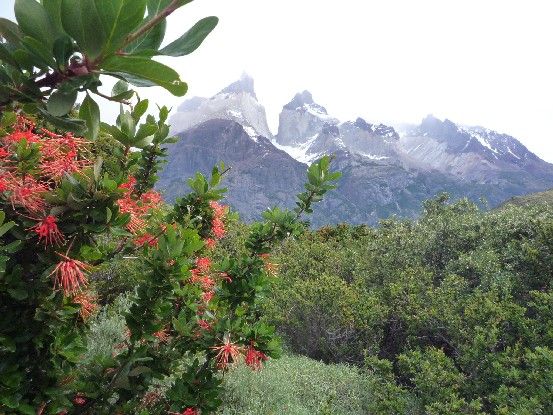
(386, 171)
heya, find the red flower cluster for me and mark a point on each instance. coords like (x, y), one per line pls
(255, 358)
(87, 303)
(79, 399)
(137, 207)
(227, 353)
(162, 335)
(70, 275)
(48, 232)
(25, 186)
(201, 275)
(217, 224)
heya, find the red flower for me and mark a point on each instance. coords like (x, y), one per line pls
(270, 268)
(27, 193)
(218, 228)
(227, 353)
(62, 164)
(190, 411)
(87, 303)
(146, 239)
(151, 198)
(5, 183)
(218, 209)
(70, 275)
(17, 136)
(4, 153)
(162, 335)
(210, 243)
(203, 264)
(204, 324)
(128, 186)
(207, 283)
(207, 296)
(79, 399)
(48, 232)
(255, 358)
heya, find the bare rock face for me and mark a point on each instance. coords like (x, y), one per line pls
(301, 119)
(237, 102)
(384, 173)
(261, 176)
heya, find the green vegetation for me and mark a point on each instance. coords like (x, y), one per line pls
(455, 309)
(532, 199)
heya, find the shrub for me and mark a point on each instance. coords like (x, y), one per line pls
(457, 305)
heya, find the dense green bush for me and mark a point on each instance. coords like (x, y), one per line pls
(458, 305)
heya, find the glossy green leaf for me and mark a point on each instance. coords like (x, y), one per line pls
(80, 19)
(7, 57)
(61, 102)
(69, 124)
(90, 113)
(192, 39)
(118, 19)
(40, 50)
(63, 49)
(149, 70)
(153, 38)
(34, 21)
(140, 109)
(10, 31)
(53, 8)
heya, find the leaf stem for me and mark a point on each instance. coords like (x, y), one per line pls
(153, 22)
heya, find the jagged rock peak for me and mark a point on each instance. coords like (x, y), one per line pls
(299, 100)
(362, 124)
(434, 126)
(244, 84)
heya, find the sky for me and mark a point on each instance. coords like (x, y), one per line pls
(475, 62)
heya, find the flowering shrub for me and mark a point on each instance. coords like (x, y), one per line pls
(66, 212)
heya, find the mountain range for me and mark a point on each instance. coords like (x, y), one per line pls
(386, 170)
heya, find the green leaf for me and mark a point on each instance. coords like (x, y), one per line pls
(140, 109)
(6, 227)
(90, 113)
(8, 119)
(34, 21)
(10, 31)
(80, 19)
(53, 8)
(145, 130)
(153, 38)
(63, 49)
(7, 57)
(192, 39)
(120, 87)
(118, 19)
(69, 124)
(40, 50)
(18, 293)
(61, 102)
(149, 70)
(89, 253)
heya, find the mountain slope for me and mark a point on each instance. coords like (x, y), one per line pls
(261, 175)
(384, 173)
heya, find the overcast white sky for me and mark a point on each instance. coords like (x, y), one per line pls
(476, 62)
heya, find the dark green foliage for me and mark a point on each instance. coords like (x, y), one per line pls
(455, 307)
(59, 48)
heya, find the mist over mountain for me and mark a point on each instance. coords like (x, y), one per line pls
(385, 172)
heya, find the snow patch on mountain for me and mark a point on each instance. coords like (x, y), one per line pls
(300, 152)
